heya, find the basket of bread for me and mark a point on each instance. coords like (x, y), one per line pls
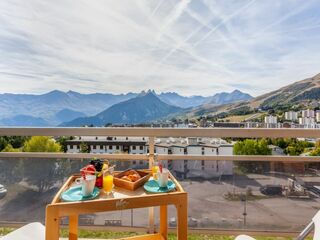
(131, 179)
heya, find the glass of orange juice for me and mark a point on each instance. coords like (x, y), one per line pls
(107, 182)
(155, 169)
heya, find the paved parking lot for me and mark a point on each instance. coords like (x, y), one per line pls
(209, 207)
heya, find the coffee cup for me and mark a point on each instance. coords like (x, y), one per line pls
(163, 177)
(87, 184)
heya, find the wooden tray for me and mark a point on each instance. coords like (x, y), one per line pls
(131, 185)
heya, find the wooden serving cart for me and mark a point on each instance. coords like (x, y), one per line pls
(121, 199)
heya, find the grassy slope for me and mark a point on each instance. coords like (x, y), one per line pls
(241, 118)
(292, 93)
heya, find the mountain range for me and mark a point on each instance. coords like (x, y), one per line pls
(298, 93)
(146, 107)
(76, 109)
(194, 101)
(56, 107)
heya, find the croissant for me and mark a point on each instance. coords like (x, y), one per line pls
(126, 178)
(134, 177)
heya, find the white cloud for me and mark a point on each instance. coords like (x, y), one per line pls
(192, 47)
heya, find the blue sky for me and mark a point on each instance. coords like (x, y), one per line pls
(193, 47)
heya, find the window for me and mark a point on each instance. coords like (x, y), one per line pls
(78, 146)
(134, 162)
(133, 147)
(202, 164)
(94, 147)
(141, 162)
(115, 138)
(141, 147)
(96, 138)
(101, 146)
(110, 147)
(117, 147)
(126, 138)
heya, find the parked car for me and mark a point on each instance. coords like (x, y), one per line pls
(192, 222)
(271, 190)
(172, 222)
(3, 191)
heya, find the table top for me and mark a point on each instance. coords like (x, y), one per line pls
(118, 193)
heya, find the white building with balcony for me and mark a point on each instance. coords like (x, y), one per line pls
(318, 116)
(165, 146)
(307, 122)
(309, 113)
(291, 116)
(271, 121)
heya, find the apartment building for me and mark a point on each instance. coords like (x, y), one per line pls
(318, 115)
(291, 116)
(309, 113)
(177, 146)
(200, 147)
(307, 122)
(271, 121)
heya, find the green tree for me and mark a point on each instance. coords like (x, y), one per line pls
(252, 147)
(43, 173)
(3, 143)
(62, 141)
(292, 146)
(17, 141)
(10, 148)
(316, 151)
(11, 169)
(41, 144)
(84, 148)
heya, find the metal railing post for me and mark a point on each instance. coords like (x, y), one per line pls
(151, 163)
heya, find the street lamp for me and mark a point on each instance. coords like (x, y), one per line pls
(243, 198)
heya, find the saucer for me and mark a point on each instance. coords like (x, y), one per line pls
(75, 194)
(152, 186)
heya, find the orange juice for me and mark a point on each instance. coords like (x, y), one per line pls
(108, 183)
(154, 171)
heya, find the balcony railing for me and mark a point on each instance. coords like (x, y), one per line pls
(152, 134)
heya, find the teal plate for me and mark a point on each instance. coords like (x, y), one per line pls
(75, 194)
(152, 186)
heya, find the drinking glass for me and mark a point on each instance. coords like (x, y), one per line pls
(87, 184)
(107, 183)
(163, 178)
(155, 169)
